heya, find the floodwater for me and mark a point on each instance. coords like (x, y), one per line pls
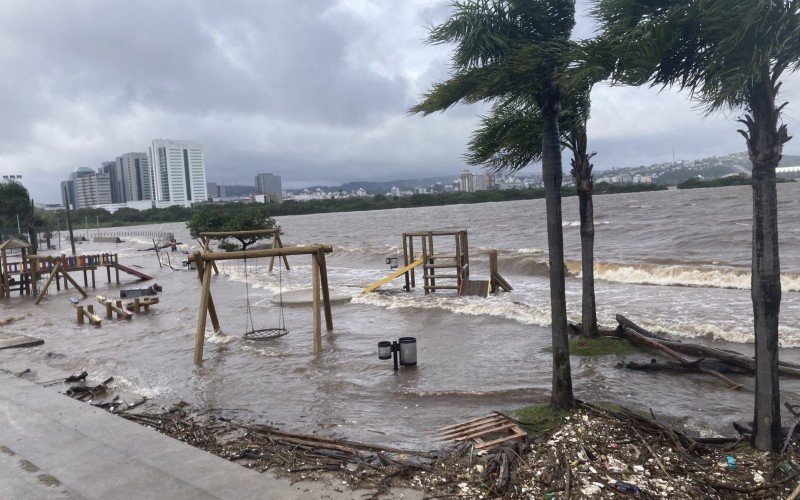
(675, 261)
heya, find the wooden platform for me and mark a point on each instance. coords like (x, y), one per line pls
(9, 341)
(486, 432)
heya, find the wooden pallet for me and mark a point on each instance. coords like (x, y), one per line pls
(486, 432)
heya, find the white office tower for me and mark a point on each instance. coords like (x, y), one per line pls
(134, 171)
(179, 172)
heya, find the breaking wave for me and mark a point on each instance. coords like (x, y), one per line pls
(681, 275)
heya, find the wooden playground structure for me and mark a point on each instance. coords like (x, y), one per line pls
(8, 270)
(204, 263)
(445, 266)
(23, 275)
(60, 266)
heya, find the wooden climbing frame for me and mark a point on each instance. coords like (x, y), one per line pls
(321, 294)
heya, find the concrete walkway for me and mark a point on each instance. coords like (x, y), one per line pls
(52, 446)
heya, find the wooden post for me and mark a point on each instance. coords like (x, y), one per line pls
(465, 253)
(212, 310)
(326, 298)
(493, 269)
(431, 272)
(411, 258)
(116, 269)
(53, 274)
(406, 262)
(137, 305)
(34, 265)
(79, 310)
(93, 282)
(68, 278)
(85, 278)
(459, 268)
(109, 311)
(425, 265)
(202, 313)
(4, 274)
(315, 316)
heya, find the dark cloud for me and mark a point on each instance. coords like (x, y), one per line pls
(314, 90)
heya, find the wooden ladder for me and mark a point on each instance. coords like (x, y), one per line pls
(455, 264)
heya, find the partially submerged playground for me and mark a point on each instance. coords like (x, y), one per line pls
(443, 257)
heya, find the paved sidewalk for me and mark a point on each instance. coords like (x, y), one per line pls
(52, 446)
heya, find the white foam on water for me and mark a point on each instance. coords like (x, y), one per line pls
(492, 306)
(720, 277)
(213, 337)
(149, 392)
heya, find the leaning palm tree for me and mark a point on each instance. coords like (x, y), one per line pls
(728, 54)
(507, 49)
(510, 138)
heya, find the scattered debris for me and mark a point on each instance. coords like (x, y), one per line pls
(596, 452)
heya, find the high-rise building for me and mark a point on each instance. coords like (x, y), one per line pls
(466, 182)
(270, 185)
(72, 185)
(68, 194)
(212, 189)
(115, 176)
(179, 172)
(93, 189)
(134, 173)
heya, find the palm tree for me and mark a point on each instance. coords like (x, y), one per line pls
(729, 54)
(504, 50)
(510, 138)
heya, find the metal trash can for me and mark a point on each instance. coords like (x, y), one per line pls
(408, 351)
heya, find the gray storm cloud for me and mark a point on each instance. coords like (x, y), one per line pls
(314, 90)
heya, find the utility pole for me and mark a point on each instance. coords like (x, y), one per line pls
(58, 224)
(19, 230)
(69, 222)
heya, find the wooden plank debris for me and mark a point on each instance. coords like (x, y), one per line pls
(485, 432)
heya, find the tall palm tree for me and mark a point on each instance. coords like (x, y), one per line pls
(729, 54)
(507, 49)
(510, 138)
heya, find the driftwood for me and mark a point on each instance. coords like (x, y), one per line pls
(669, 366)
(730, 357)
(636, 338)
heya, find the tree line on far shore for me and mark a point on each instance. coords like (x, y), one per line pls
(50, 221)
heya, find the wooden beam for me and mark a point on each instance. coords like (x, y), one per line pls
(68, 278)
(315, 316)
(326, 297)
(212, 310)
(255, 254)
(200, 337)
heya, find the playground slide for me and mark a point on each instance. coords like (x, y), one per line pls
(393, 276)
(133, 272)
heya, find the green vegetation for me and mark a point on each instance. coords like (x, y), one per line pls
(540, 418)
(243, 217)
(16, 212)
(733, 180)
(599, 346)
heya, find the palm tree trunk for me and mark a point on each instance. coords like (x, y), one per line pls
(561, 396)
(765, 145)
(588, 306)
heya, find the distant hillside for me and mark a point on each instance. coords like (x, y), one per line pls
(378, 187)
(671, 174)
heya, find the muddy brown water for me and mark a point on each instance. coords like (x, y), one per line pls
(676, 261)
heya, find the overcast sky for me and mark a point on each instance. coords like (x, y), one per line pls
(315, 91)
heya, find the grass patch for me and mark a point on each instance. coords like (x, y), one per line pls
(540, 418)
(601, 346)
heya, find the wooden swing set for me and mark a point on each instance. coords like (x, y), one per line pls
(321, 295)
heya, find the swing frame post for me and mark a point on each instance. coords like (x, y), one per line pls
(205, 261)
(205, 295)
(315, 313)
